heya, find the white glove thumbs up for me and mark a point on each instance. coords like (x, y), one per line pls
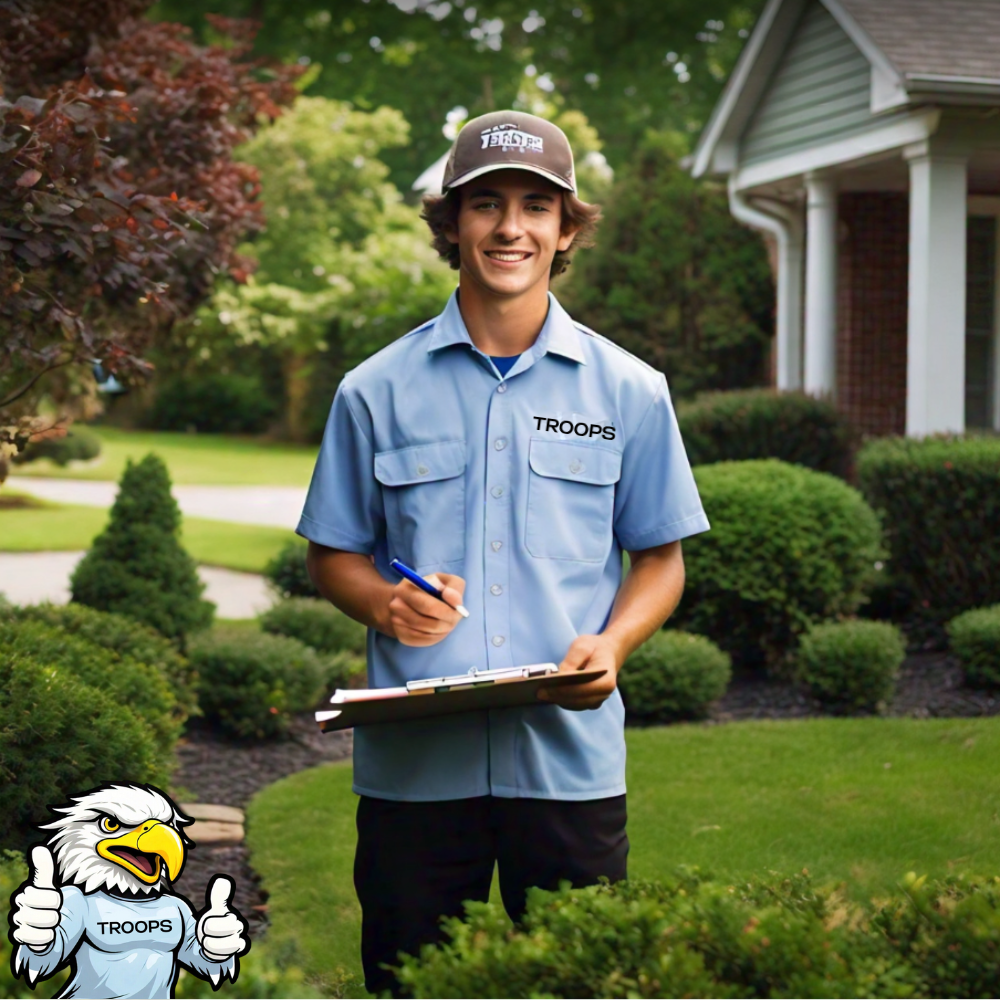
(36, 907)
(220, 929)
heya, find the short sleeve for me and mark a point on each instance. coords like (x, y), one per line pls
(656, 500)
(343, 508)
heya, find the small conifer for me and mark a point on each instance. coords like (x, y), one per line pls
(137, 565)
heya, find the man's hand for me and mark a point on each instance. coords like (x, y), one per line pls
(417, 619)
(587, 651)
(35, 909)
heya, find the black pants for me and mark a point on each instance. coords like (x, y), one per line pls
(419, 861)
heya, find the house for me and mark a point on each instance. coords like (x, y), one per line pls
(864, 137)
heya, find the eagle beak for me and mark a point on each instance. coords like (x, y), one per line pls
(142, 850)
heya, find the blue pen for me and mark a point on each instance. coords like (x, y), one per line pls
(415, 578)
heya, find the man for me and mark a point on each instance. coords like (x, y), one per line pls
(510, 455)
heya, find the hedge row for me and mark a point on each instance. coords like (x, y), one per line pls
(975, 640)
(697, 937)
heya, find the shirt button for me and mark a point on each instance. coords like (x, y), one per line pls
(500, 444)
(495, 546)
(422, 470)
(498, 640)
(496, 590)
(502, 387)
(497, 491)
(575, 467)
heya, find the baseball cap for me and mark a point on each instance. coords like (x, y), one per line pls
(504, 140)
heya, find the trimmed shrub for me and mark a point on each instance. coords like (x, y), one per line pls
(80, 444)
(137, 566)
(124, 636)
(940, 502)
(975, 640)
(287, 572)
(317, 623)
(212, 403)
(252, 684)
(673, 676)
(763, 423)
(853, 664)
(59, 736)
(693, 936)
(789, 547)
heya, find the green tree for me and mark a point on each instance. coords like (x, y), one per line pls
(137, 566)
(627, 66)
(674, 278)
(345, 266)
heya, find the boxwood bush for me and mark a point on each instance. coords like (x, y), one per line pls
(975, 640)
(940, 501)
(693, 936)
(851, 665)
(317, 623)
(789, 547)
(762, 423)
(123, 636)
(673, 676)
(251, 684)
(79, 444)
(287, 572)
(60, 735)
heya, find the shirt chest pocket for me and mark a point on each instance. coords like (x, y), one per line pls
(424, 493)
(571, 500)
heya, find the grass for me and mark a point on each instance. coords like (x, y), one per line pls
(734, 799)
(202, 459)
(40, 526)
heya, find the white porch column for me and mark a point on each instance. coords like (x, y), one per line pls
(820, 362)
(935, 345)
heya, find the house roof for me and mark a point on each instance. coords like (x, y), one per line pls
(922, 51)
(934, 38)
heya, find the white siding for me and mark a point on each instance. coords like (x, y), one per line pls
(819, 92)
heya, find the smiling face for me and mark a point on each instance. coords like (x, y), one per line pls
(509, 228)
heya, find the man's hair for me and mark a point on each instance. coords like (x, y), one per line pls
(441, 212)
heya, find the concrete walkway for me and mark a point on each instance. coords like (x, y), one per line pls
(33, 577)
(274, 506)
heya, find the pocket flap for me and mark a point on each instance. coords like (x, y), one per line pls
(579, 463)
(422, 463)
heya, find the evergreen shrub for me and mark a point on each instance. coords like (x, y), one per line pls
(287, 573)
(851, 665)
(251, 684)
(940, 501)
(317, 623)
(673, 676)
(693, 936)
(762, 423)
(80, 444)
(789, 547)
(213, 403)
(60, 735)
(137, 566)
(975, 640)
(124, 637)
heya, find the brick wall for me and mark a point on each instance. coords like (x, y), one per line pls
(871, 310)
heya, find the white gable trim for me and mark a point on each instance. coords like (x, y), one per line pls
(915, 127)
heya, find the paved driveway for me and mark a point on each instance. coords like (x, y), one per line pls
(275, 506)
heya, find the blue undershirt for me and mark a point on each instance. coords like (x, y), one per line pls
(504, 365)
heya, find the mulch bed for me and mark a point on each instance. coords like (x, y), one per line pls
(215, 769)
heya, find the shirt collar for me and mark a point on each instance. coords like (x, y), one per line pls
(558, 335)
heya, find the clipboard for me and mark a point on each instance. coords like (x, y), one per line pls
(424, 699)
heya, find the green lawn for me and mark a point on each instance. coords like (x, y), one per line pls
(203, 459)
(50, 527)
(734, 799)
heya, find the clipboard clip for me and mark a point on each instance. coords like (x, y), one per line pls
(476, 677)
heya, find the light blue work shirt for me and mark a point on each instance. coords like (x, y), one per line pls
(528, 487)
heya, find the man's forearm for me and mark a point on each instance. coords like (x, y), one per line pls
(350, 581)
(648, 595)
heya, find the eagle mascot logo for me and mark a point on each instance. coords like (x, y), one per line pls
(99, 898)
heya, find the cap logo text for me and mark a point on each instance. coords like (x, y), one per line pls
(511, 137)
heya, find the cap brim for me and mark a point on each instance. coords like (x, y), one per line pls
(490, 168)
